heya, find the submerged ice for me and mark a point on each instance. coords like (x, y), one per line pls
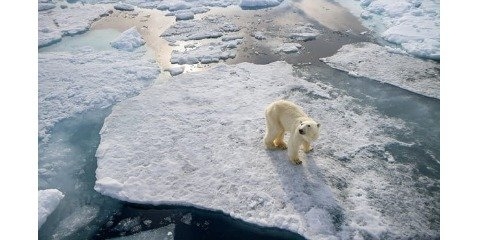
(73, 82)
(48, 201)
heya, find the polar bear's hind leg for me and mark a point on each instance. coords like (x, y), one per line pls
(279, 140)
(271, 134)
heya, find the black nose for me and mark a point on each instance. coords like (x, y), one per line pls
(301, 131)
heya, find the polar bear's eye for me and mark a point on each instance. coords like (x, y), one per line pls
(309, 125)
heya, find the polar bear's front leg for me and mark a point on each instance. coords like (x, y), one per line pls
(293, 149)
(307, 147)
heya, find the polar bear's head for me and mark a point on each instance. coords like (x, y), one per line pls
(308, 130)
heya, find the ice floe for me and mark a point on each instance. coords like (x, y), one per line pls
(259, 35)
(289, 48)
(413, 24)
(207, 53)
(219, 33)
(45, 5)
(378, 63)
(304, 33)
(48, 201)
(197, 141)
(55, 23)
(177, 70)
(124, 7)
(207, 27)
(73, 82)
(129, 40)
(184, 15)
(256, 4)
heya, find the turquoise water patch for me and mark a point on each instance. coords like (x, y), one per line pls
(98, 39)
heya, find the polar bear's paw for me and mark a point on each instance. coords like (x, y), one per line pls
(280, 144)
(270, 145)
(296, 161)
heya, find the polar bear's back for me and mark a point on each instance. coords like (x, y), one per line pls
(286, 112)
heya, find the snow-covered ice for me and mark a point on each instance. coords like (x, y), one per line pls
(55, 23)
(255, 4)
(179, 6)
(128, 40)
(48, 201)
(42, 6)
(73, 82)
(150, 151)
(124, 7)
(176, 70)
(304, 33)
(207, 53)
(378, 63)
(207, 27)
(289, 48)
(412, 24)
(184, 15)
(259, 35)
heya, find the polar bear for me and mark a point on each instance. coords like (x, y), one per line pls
(284, 116)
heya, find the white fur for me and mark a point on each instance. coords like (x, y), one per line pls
(284, 116)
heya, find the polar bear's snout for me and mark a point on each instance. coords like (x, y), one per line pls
(311, 129)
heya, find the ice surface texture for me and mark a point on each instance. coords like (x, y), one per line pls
(378, 63)
(71, 83)
(48, 201)
(197, 140)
